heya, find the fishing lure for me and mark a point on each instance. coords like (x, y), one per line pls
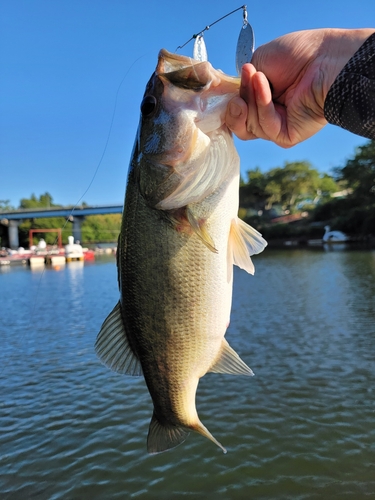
(245, 43)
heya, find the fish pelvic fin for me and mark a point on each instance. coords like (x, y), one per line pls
(200, 230)
(229, 362)
(113, 348)
(164, 436)
(244, 241)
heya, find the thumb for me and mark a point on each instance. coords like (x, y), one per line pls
(236, 116)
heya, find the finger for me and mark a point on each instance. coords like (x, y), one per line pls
(248, 93)
(235, 118)
(246, 88)
(269, 117)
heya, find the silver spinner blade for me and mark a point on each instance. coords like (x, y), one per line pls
(245, 46)
(199, 50)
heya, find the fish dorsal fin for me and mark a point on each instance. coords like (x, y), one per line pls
(244, 241)
(112, 345)
(230, 362)
(200, 230)
(163, 437)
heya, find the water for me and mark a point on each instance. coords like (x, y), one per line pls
(302, 428)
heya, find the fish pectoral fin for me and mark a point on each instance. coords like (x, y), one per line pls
(113, 348)
(200, 230)
(244, 241)
(229, 361)
(163, 436)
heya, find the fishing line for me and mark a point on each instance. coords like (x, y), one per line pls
(212, 24)
(68, 218)
(107, 140)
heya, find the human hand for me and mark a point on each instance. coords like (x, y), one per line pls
(301, 68)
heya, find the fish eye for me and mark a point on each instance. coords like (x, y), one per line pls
(148, 105)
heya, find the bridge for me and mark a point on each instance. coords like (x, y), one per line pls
(76, 215)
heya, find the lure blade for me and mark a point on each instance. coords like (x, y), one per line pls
(245, 46)
(199, 50)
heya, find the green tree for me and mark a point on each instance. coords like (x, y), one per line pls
(253, 192)
(327, 186)
(44, 201)
(273, 191)
(296, 180)
(47, 223)
(359, 173)
(101, 228)
(286, 186)
(5, 205)
(354, 214)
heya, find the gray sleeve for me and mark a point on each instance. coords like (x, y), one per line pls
(350, 102)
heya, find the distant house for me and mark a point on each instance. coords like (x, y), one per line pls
(342, 194)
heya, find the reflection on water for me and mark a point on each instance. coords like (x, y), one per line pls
(75, 283)
(336, 247)
(303, 427)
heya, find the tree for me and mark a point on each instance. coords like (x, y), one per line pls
(273, 192)
(5, 205)
(327, 186)
(44, 201)
(359, 173)
(101, 228)
(253, 193)
(354, 214)
(48, 223)
(295, 181)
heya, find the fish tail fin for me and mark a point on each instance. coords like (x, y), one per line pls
(164, 436)
(201, 429)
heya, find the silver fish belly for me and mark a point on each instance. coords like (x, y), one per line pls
(179, 239)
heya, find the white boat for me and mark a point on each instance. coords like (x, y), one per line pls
(73, 251)
(334, 236)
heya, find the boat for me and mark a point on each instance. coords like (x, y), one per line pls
(41, 254)
(73, 251)
(331, 237)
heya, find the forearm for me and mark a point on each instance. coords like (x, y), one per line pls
(349, 89)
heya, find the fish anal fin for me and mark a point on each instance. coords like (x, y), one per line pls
(244, 241)
(113, 348)
(229, 361)
(163, 436)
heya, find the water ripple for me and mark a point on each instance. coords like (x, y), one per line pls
(301, 428)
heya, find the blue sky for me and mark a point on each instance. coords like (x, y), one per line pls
(62, 62)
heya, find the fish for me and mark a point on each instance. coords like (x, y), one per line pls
(180, 237)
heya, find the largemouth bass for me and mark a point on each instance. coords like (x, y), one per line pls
(179, 239)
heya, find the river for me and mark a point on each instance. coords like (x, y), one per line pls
(302, 428)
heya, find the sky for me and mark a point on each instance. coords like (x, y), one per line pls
(73, 73)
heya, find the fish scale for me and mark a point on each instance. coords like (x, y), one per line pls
(179, 239)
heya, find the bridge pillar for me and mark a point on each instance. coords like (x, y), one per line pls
(77, 229)
(14, 241)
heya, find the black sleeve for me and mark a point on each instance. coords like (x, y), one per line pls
(350, 102)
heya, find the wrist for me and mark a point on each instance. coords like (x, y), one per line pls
(337, 48)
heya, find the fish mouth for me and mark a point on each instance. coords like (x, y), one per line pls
(188, 73)
(183, 71)
(168, 62)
